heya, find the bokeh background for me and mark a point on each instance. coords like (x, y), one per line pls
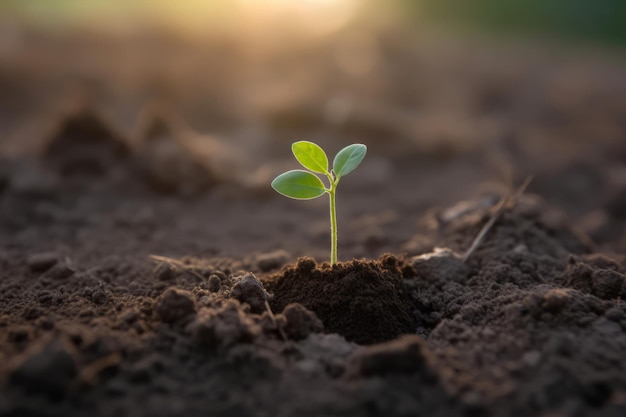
(534, 87)
(229, 63)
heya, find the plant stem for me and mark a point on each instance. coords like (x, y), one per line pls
(333, 226)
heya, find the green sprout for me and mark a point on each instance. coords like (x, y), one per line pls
(305, 185)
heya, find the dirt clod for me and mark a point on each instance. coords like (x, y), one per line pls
(224, 327)
(175, 305)
(248, 289)
(300, 322)
(604, 283)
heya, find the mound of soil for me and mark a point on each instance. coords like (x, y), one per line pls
(364, 301)
(83, 143)
(167, 162)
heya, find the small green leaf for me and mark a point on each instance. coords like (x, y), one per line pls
(348, 159)
(299, 184)
(311, 156)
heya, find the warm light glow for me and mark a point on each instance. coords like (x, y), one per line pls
(313, 16)
(196, 16)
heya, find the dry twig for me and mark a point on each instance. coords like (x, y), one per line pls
(502, 205)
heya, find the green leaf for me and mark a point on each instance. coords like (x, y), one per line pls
(348, 159)
(299, 184)
(311, 156)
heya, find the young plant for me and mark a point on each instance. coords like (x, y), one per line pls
(305, 185)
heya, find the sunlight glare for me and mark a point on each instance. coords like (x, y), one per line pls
(314, 16)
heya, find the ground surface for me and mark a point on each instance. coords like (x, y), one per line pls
(91, 185)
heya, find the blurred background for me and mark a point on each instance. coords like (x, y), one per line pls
(530, 87)
(287, 64)
(221, 63)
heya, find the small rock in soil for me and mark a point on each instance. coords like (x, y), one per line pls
(272, 260)
(301, 322)
(250, 290)
(41, 262)
(48, 368)
(406, 355)
(175, 305)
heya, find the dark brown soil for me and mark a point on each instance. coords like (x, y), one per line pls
(148, 269)
(364, 301)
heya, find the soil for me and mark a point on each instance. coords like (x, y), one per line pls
(363, 301)
(147, 269)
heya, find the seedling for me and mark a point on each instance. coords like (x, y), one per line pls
(305, 185)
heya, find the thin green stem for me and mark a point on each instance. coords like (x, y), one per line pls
(333, 227)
